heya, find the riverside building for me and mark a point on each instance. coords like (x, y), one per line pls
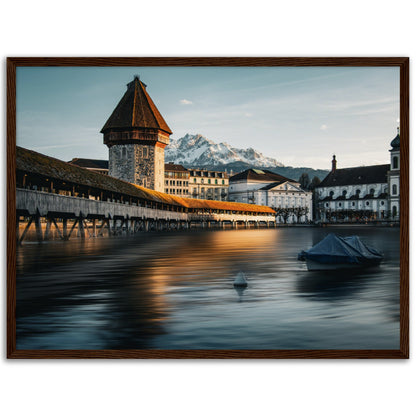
(207, 184)
(176, 180)
(361, 194)
(255, 186)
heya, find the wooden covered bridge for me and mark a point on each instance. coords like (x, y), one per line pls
(51, 193)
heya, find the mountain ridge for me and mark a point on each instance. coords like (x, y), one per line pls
(199, 152)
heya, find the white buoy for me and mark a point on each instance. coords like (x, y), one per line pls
(240, 280)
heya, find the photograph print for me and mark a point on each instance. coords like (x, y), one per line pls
(217, 209)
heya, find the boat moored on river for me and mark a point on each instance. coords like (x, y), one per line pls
(339, 253)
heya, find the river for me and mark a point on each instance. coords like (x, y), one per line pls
(175, 291)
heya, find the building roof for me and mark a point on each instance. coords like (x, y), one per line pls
(260, 175)
(136, 110)
(89, 163)
(28, 161)
(356, 176)
(172, 167)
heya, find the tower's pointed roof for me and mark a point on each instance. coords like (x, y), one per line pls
(136, 110)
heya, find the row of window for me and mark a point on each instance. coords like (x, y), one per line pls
(176, 183)
(171, 174)
(176, 191)
(208, 174)
(209, 190)
(367, 203)
(209, 181)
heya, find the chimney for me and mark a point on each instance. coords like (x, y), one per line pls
(334, 164)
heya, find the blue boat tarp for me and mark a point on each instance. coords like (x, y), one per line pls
(335, 249)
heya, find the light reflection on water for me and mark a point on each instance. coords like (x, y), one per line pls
(175, 291)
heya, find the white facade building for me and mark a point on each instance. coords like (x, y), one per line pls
(361, 194)
(263, 187)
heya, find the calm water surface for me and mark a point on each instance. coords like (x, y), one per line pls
(175, 291)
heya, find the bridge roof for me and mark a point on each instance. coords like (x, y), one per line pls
(208, 204)
(28, 161)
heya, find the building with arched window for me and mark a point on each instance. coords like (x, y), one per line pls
(361, 194)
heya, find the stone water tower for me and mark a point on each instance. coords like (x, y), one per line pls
(136, 135)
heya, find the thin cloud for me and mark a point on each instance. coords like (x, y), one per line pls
(324, 127)
(185, 102)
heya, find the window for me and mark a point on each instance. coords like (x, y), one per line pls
(382, 202)
(344, 193)
(367, 203)
(209, 180)
(372, 191)
(394, 210)
(194, 180)
(223, 182)
(124, 153)
(216, 181)
(145, 152)
(339, 204)
(331, 194)
(395, 162)
(394, 190)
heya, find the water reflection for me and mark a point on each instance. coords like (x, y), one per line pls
(176, 290)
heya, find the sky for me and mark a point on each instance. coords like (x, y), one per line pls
(300, 116)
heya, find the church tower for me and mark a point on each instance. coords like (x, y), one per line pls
(136, 135)
(394, 178)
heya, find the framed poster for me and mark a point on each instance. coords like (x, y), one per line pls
(213, 208)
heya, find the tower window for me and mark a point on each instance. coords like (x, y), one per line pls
(394, 189)
(395, 162)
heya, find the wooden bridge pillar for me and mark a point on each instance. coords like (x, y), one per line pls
(38, 227)
(94, 227)
(48, 228)
(65, 228)
(81, 228)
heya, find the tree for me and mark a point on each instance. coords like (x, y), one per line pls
(284, 213)
(304, 181)
(314, 183)
(299, 212)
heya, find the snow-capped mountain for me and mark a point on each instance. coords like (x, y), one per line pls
(198, 151)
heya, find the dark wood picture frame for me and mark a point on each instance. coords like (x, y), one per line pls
(400, 62)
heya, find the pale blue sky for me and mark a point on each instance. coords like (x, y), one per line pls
(300, 116)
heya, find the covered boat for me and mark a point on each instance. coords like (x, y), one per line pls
(335, 252)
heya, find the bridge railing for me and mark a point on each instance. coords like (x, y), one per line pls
(44, 203)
